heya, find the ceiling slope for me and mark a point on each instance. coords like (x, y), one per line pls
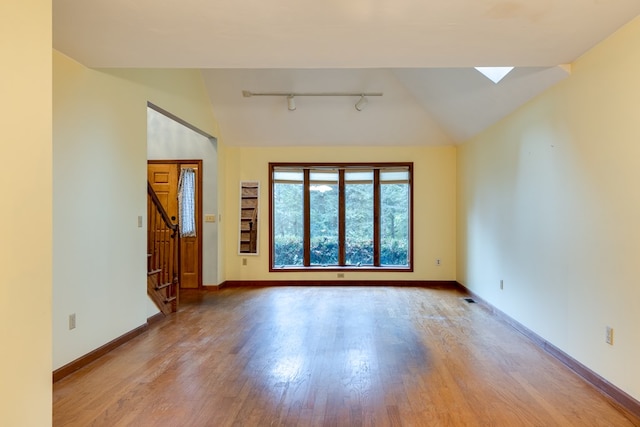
(420, 53)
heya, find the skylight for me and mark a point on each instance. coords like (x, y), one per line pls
(495, 74)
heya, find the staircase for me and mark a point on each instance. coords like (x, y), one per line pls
(162, 255)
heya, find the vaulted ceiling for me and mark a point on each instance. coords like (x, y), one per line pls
(419, 53)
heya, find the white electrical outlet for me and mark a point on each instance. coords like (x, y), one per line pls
(72, 321)
(244, 261)
(609, 335)
(340, 275)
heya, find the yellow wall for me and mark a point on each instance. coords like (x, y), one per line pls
(223, 180)
(548, 202)
(99, 190)
(25, 248)
(434, 210)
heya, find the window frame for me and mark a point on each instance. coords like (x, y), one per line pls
(308, 267)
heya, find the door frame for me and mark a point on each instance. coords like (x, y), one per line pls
(199, 209)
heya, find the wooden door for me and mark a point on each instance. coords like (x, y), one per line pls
(163, 176)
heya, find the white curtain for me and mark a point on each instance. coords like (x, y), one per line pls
(187, 202)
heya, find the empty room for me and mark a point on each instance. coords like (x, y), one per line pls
(334, 214)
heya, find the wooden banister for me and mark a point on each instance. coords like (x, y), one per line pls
(160, 208)
(163, 251)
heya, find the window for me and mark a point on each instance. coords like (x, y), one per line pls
(340, 216)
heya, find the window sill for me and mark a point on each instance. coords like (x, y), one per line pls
(319, 268)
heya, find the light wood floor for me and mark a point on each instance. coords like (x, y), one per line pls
(330, 356)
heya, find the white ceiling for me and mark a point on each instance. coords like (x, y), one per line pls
(418, 52)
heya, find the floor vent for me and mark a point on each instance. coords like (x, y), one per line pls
(470, 300)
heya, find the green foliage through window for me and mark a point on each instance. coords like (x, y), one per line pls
(335, 194)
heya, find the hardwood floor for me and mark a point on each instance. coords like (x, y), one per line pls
(330, 356)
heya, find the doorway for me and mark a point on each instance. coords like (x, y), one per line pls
(163, 175)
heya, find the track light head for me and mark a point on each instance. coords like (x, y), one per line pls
(291, 103)
(362, 103)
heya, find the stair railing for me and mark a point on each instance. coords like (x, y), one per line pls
(163, 251)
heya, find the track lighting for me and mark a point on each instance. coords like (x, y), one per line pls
(362, 102)
(291, 102)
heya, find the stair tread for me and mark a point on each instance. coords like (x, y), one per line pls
(152, 272)
(164, 285)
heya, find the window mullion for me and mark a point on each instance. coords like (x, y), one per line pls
(341, 219)
(307, 219)
(376, 217)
